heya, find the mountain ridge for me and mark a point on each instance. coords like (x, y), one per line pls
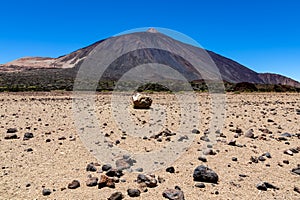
(230, 70)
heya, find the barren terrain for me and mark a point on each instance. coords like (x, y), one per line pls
(55, 155)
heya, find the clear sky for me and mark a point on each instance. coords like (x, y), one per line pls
(263, 35)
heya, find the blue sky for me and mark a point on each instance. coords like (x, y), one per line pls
(260, 34)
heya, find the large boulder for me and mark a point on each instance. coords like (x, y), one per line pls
(141, 101)
(204, 174)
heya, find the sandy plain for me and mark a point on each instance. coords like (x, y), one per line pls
(59, 156)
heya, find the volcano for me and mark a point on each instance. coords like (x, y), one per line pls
(65, 67)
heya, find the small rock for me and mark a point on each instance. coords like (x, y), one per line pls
(209, 152)
(202, 158)
(29, 149)
(296, 189)
(170, 170)
(249, 134)
(91, 167)
(268, 155)
(48, 140)
(12, 130)
(106, 167)
(200, 185)
(265, 185)
(254, 159)
(261, 186)
(74, 184)
(261, 158)
(114, 173)
(106, 181)
(173, 194)
(11, 136)
(91, 182)
(204, 174)
(286, 162)
(150, 181)
(204, 138)
(296, 170)
(286, 135)
(116, 196)
(133, 192)
(288, 152)
(28, 136)
(46, 192)
(270, 186)
(141, 101)
(195, 131)
(232, 143)
(294, 150)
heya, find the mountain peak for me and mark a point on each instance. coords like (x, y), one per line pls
(152, 30)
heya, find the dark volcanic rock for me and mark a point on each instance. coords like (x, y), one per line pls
(46, 192)
(116, 196)
(10, 136)
(91, 167)
(200, 185)
(173, 194)
(261, 158)
(195, 131)
(114, 173)
(264, 186)
(204, 174)
(12, 130)
(133, 192)
(170, 170)
(261, 186)
(232, 143)
(106, 167)
(202, 158)
(28, 136)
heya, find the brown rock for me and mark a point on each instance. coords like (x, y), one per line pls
(141, 101)
(74, 184)
(116, 196)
